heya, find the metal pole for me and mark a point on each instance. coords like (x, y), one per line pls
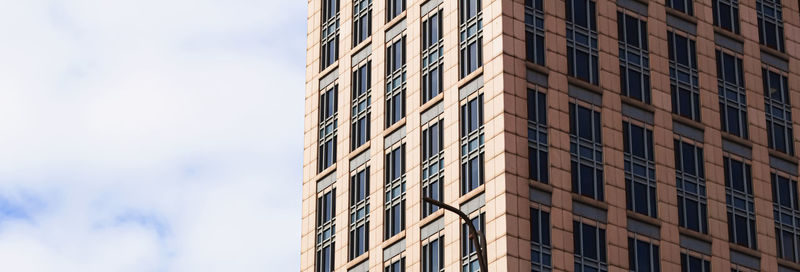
(477, 237)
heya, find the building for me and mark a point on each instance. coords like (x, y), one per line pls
(580, 135)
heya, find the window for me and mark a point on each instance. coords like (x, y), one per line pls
(640, 168)
(396, 266)
(540, 241)
(469, 253)
(643, 255)
(328, 110)
(395, 191)
(433, 255)
(770, 23)
(361, 103)
(470, 28)
(692, 263)
(396, 81)
(778, 111)
(586, 148)
(326, 230)
(590, 247)
(394, 8)
(683, 76)
(732, 101)
(691, 185)
(362, 20)
(582, 40)
(537, 136)
(787, 217)
(329, 41)
(432, 164)
(726, 14)
(472, 144)
(684, 6)
(741, 207)
(534, 31)
(634, 60)
(359, 212)
(432, 55)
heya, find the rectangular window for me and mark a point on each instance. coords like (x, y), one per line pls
(732, 100)
(537, 136)
(362, 20)
(361, 98)
(328, 110)
(326, 230)
(741, 207)
(692, 263)
(634, 57)
(433, 255)
(586, 148)
(726, 14)
(470, 28)
(778, 111)
(396, 81)
(684, 6)
(432, 55)
(469, 253)
(541, 256)
(472, 144)
(394, 8)
(395, 191)
(432, 164)
(329, 40)
(643, 255)
(787, 217)
(582, 40)
(770, 23)
(359, 213)
(590, 247)
(683, 76)
(640, 168)
(691, 185)
(398, 265)
(534, 31)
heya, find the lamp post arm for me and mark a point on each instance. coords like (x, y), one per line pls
(479, 238)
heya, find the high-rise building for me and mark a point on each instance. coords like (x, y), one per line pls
(578, 135)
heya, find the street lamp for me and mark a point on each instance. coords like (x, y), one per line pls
(475, 236)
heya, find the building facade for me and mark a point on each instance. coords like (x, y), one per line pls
(578, 135)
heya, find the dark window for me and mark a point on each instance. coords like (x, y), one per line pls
(362, 20)
(770, 23)
(726, 14)
(537, 136)
(640, 169)
(432, 56)
(684, 6)
(470, 36)
(787, 217)
(326, 229)
(778, 111)
(586, 147)
(541, 256)
(432, 164)
(328, 110)
(590, 247)
(361, 105)
(395, 191)
(394, 8)
(634, 60)
(359, 213)
(433, 255)
(741, 207)
(472, 142)
(691, 185)
(683, 76)
(582, 40)
(691, 263)
(643, 256)
(396, 266)
(396, 81)
(329, 40)
(534, 31)
(469, 254)
(732, 100)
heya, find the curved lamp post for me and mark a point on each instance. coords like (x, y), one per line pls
(475, 236)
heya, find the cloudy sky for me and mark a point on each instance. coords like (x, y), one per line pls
(151, 135)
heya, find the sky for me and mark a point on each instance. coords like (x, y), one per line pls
(151, 135)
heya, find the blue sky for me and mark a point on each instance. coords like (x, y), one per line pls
(151, 135)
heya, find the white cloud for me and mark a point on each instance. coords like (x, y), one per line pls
(151, 135)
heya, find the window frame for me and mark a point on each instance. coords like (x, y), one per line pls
(732, 95)
(734, 196)
(775, 19)
(733, 10)
(538, 139)
(601, 263)
(327, 127)
(359, 212)
(678, 87)
(778, 113)
(634, 59)
(543, 247)
(579, 144)
(635, 240)
(697, 181)
(470, 30)
(471, 142)
(329, 34)
(325, 231)
(432, 56)
(396, 81)
(426, 251)
(535, 47)
(589, 48)
(394, 191)
(633, 161)
(432, 165)
(361, 104)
